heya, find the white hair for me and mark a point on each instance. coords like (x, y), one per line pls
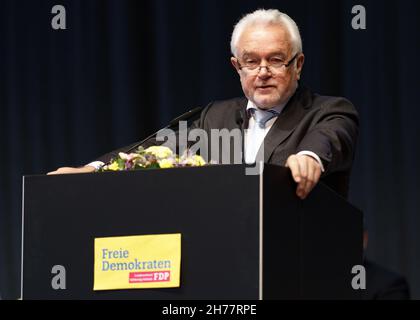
(266, 17)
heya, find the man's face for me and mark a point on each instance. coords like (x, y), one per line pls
(267, 87)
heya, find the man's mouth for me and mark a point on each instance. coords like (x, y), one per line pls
(265, 87)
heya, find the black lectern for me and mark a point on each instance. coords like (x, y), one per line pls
(243, 236)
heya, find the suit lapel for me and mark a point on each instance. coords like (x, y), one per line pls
(287, 121)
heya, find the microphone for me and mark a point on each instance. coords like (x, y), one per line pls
(242, 118)
(239, 118)
(187, 115)
(183, 117)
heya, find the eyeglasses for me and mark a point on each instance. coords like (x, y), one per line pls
(274, 65)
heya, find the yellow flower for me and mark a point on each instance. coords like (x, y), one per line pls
(113, 166)
(159, 152)
(198, 160)
(194, 161)
(166, 163)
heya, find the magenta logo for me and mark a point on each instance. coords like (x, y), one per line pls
(156, 276)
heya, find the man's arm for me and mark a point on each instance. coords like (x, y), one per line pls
(70, 170)
(334, 136)
(99, 162)
(332, 139)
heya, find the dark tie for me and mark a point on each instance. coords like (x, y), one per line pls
(261, 117)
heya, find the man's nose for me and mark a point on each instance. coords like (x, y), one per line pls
(264, 72)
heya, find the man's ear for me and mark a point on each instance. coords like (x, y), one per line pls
(299, 64)
(234, 63)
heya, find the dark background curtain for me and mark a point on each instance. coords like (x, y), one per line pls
(122, 69)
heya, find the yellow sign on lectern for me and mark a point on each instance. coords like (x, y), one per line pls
(147, 261)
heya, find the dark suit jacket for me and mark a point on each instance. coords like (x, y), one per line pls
(383, 284)
(327, 126)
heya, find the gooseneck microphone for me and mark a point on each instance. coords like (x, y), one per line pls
(242, 120)
(183, 117)
(186, 116)
(239, 118)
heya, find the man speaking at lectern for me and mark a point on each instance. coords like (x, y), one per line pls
(315, 136)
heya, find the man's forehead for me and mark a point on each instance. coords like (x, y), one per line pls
(265, 39)
(278, 31)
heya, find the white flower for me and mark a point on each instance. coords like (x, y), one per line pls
(128, 157)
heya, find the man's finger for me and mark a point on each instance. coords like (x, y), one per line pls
(303, 167)
(314, 173)
(293, 164)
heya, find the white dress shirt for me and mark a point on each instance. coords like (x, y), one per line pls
(254, 136)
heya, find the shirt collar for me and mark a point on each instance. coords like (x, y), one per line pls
(279, 108)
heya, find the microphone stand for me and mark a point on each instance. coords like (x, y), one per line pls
(172, 123)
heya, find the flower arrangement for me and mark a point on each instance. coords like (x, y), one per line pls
(153, 157)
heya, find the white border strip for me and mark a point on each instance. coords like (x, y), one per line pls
(23, 229)
(261, 169)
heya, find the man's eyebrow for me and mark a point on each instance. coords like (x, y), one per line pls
(248, 53)
(276, 53)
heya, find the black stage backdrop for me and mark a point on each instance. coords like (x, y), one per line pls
(122, 69)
